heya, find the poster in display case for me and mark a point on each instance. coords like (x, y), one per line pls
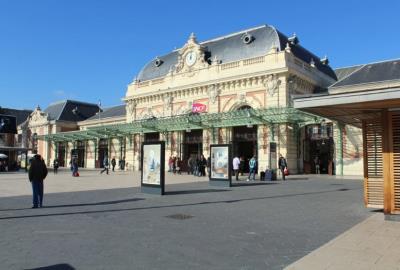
(153, 156)
(220, 164)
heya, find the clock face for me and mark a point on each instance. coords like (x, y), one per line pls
(191, 58)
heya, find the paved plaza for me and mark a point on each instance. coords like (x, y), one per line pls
(260, 225)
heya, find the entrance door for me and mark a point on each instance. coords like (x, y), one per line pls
(61, 154)
(244, 141)
(103, 151)
(318, 149)
(81, 153)
(192, 146)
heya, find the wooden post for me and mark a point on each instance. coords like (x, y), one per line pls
(387, 168)
(365, 160)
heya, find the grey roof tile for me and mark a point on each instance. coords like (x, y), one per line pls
(232, 48)
(115, 111)
(371, 73)
(71, 110)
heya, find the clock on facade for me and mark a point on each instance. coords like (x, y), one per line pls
(191, 58)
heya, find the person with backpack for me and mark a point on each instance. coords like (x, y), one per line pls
(55, 166)
(75, 168)
(37, 173)
(113, 163)
(105, 164)
(252, 168)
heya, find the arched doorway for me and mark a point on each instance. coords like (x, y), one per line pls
(192, 146)
(244, 142)
(102, 152)
(319, 149)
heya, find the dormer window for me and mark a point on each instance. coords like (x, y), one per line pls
(247, 38)
(294, 40)
(158, 62)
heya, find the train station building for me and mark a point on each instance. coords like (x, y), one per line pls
(237, 89)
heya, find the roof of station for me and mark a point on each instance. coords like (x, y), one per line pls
(368, 73)
(268, 116)
(344, 104)
(115, 111)
(231, 48)
(71, 110)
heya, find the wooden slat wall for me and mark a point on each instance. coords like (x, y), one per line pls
(395, 130)
(373, 178)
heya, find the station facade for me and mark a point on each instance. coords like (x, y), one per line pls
(235, 89)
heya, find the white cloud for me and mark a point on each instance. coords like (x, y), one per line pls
(59, 93)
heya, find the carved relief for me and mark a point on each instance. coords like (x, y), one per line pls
(167, 102)
(299, 86)
(131, 104)
(271, 83)
(190, 58)
(213, 93)
(38, 117)
(241, 98)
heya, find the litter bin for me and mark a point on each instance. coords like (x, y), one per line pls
(268, 175)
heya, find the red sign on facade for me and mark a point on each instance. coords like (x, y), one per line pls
(199, 108)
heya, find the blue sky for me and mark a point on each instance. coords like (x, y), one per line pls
(88, 50)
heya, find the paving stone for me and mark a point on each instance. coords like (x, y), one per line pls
(259, 226)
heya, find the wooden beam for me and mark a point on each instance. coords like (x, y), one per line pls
(387, 168)
(365, 160)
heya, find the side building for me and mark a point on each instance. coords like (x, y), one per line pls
(13, 142)
(58, 117)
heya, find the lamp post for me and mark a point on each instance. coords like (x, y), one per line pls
(99, 109)
(34, 143)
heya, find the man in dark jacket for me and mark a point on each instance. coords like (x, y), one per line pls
(105, 164)
(37, 173)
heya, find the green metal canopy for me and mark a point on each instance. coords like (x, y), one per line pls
(269, 116)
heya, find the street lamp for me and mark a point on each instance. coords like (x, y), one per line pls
(34, 142)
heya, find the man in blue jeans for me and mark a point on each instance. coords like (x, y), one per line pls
(252, 167)
(37, 173)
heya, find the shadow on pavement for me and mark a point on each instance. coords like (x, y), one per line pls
(62, 266)
(251, 183)
(172, 205)
(81, 204)
(194, 191)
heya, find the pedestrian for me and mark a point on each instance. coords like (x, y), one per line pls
(209, 166)
(75, 172)
(170, 164)
(252, 168)
(282, 166)
(203, 164)
(178, 164)
(55, 166)
(105, 165)
(113, 163)
(123, 164)
(236, 165)
(316, 162)
(189, 165)
(196, 163)
(174, 164)
(242, 165)
(37, 173)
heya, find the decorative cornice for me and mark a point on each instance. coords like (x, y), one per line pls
(231, 83)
